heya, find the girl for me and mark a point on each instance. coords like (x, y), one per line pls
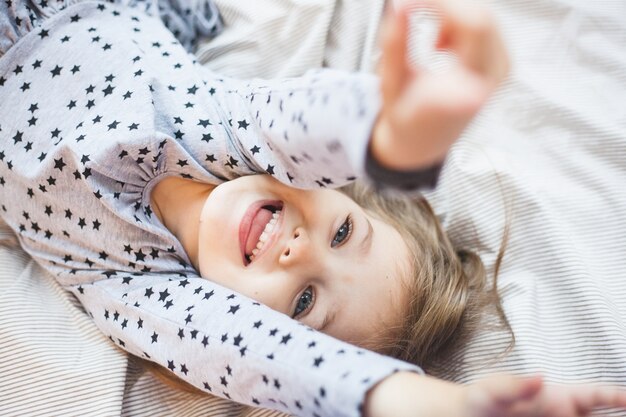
(145, 140)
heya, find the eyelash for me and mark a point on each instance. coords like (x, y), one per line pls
(348, 222)
(309, 290)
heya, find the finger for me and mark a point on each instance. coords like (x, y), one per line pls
(395, 69)
(589, 398)
(506, 390)
(469, 31)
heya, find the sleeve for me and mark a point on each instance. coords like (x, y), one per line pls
(312, 131)
(188, 20)
(231, 346)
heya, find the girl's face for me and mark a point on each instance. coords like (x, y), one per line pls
(314, 255)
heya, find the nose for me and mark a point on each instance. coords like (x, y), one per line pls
(297, 250)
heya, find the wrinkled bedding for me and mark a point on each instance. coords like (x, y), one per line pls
(547, 156)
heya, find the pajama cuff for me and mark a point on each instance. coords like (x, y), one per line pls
(401, 180)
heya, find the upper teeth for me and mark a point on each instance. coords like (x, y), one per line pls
(269, 228)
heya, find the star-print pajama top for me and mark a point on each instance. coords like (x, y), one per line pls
(99, 102)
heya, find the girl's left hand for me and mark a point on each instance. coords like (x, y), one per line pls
(424, 113)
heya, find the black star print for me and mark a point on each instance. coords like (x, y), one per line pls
(124, 323)
(223, 381)
(210, 158)
(273, 332)
(205, 341)
(255, 149)
(232, 162)
(29, 146)
(89, 262)
(257, 324)
(233, 309)
(127, 94)
(18, 69)
(208, 295)
(32, 121)
(149, 293)
(108, 90)
(154, 337)
(43, 33)
(243, 124)
(90, 104)
(56, 71)
(170, 365)
(178, 120)
(25, 87)
(65, 39)
(285, 339)
(224, 337)
(84, 159)
(270, 169)
(237, 339)
(113, 125)
(96, 119)
(72, 104)
(33, 107)
(182, 162)
(68, 214)
(192, 90)
(116, 316)
(96, 224)
(163, 295)
(18, 137)
(140, 256)
(181, 334)
(75, 18)
(81, 222)
(133, 126)
(138, 73)
(184, 369)
(106, 47)
(103, 255)
(318, 361)
(95, 39)
(37, 64)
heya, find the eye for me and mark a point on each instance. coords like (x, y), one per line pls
(304, 302)
(343, 233)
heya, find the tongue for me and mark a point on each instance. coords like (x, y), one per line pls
(259, 222)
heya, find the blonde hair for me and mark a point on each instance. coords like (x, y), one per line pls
(449, 293)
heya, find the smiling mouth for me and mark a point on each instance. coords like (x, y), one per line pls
(259, 224)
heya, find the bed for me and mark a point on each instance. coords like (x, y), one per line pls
(547, 156)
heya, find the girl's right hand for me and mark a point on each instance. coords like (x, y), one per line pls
(412, 395)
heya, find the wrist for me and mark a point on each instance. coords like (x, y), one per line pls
(411, 394)
(396, 154)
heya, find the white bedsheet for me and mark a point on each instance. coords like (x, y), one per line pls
(551, 146)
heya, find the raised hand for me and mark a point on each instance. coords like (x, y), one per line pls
(424, 113)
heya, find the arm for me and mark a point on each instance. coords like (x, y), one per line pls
(230, 346)
(499, 395)
(328, 127)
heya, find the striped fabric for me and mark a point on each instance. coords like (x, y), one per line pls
(547, 156)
